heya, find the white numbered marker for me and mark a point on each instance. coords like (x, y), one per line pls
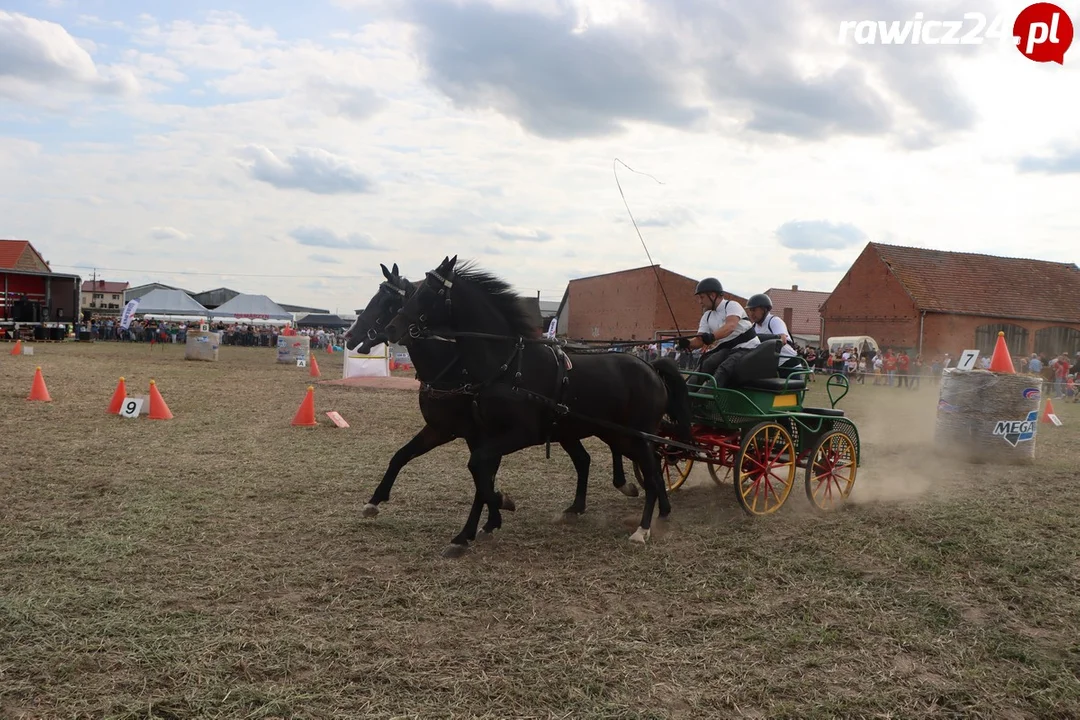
(131, 407)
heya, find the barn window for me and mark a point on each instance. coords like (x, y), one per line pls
(1015, 337)
(1056, 340)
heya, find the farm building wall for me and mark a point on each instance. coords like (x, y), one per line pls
(629, 305)
(869, 300)
(943, 333)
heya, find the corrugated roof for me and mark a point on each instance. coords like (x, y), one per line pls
(986, 285)
(805, 308)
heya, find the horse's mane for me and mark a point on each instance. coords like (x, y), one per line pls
(507, 303)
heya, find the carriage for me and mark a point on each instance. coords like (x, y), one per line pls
(763, 435)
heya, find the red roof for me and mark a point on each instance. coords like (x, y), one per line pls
(985, 285)
(104, 286)
(12, 250)
(805, 308)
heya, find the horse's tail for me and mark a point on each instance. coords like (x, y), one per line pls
(678, 404)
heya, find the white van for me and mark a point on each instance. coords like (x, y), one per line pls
(859, 343)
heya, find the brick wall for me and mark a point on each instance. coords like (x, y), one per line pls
(30, 262)
(629, 305)
(954, 333)
(869, 300)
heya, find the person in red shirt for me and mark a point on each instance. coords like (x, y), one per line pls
(903, 364)
(890, 366)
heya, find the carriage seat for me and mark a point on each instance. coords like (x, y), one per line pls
(757, 366)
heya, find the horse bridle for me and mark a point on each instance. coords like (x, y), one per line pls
(441, 287)
(373, 332)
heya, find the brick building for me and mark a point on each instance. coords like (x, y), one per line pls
(629, 305)
(103, 297)
(804, 307)
(933, 302)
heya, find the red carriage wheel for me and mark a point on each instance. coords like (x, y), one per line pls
(764, 469)
(830, 471)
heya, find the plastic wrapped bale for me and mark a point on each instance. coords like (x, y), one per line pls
(291, 347)
(202, 345)
(988, 417)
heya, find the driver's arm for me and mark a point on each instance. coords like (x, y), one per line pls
(730, 323)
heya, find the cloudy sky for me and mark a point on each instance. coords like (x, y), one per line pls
(289, 148)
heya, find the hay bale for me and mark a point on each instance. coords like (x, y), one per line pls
(202, 345)
(291, 347)
(985, 416)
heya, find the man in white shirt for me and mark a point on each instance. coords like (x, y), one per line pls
(759, 310)
(725, 332)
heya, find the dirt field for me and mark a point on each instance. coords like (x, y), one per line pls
(216, 566)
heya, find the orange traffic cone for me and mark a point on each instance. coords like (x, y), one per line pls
(1001, 361)
(393, 365)
(1047, 412)
(38, 391)
(330, 349)
(305, 416)
(314, 371)
(117, 401)
(158, 409)
(17, 350)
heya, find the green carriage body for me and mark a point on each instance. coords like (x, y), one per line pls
(739, 410)
(741, 428)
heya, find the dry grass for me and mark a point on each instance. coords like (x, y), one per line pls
(216, 566)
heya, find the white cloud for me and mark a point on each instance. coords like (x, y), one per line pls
(311, 169)
(167, 233)
(39, 58)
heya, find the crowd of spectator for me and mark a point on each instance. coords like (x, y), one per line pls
(245, 335)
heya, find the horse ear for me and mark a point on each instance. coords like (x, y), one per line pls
(395, 270)
(452, 261)
(385, 272)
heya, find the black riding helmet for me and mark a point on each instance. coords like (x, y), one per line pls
(759, 300)
(709, 285)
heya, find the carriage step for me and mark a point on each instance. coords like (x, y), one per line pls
(827, 412)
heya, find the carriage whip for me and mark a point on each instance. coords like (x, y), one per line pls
(659, 282)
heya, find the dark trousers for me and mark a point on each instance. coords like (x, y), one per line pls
(721, 364)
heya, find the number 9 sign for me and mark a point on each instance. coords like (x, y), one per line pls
(131, 407)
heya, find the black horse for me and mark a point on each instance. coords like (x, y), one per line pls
(526, 391)
(444, 402)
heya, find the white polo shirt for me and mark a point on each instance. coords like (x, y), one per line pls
(713, 320)
(773, 325)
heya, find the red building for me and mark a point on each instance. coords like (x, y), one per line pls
(30, 292)
(804, 309)
(934, 302)
(630, 305)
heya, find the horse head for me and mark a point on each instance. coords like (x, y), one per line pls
(429, 305)
(369, 328)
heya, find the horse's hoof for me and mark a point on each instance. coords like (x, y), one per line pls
(508, 503)
(628, 490)
(640, 536)
(483, 536)
(454, 551)
(370, 510)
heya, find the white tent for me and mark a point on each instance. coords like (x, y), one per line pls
(170, 303)
(243, 308)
